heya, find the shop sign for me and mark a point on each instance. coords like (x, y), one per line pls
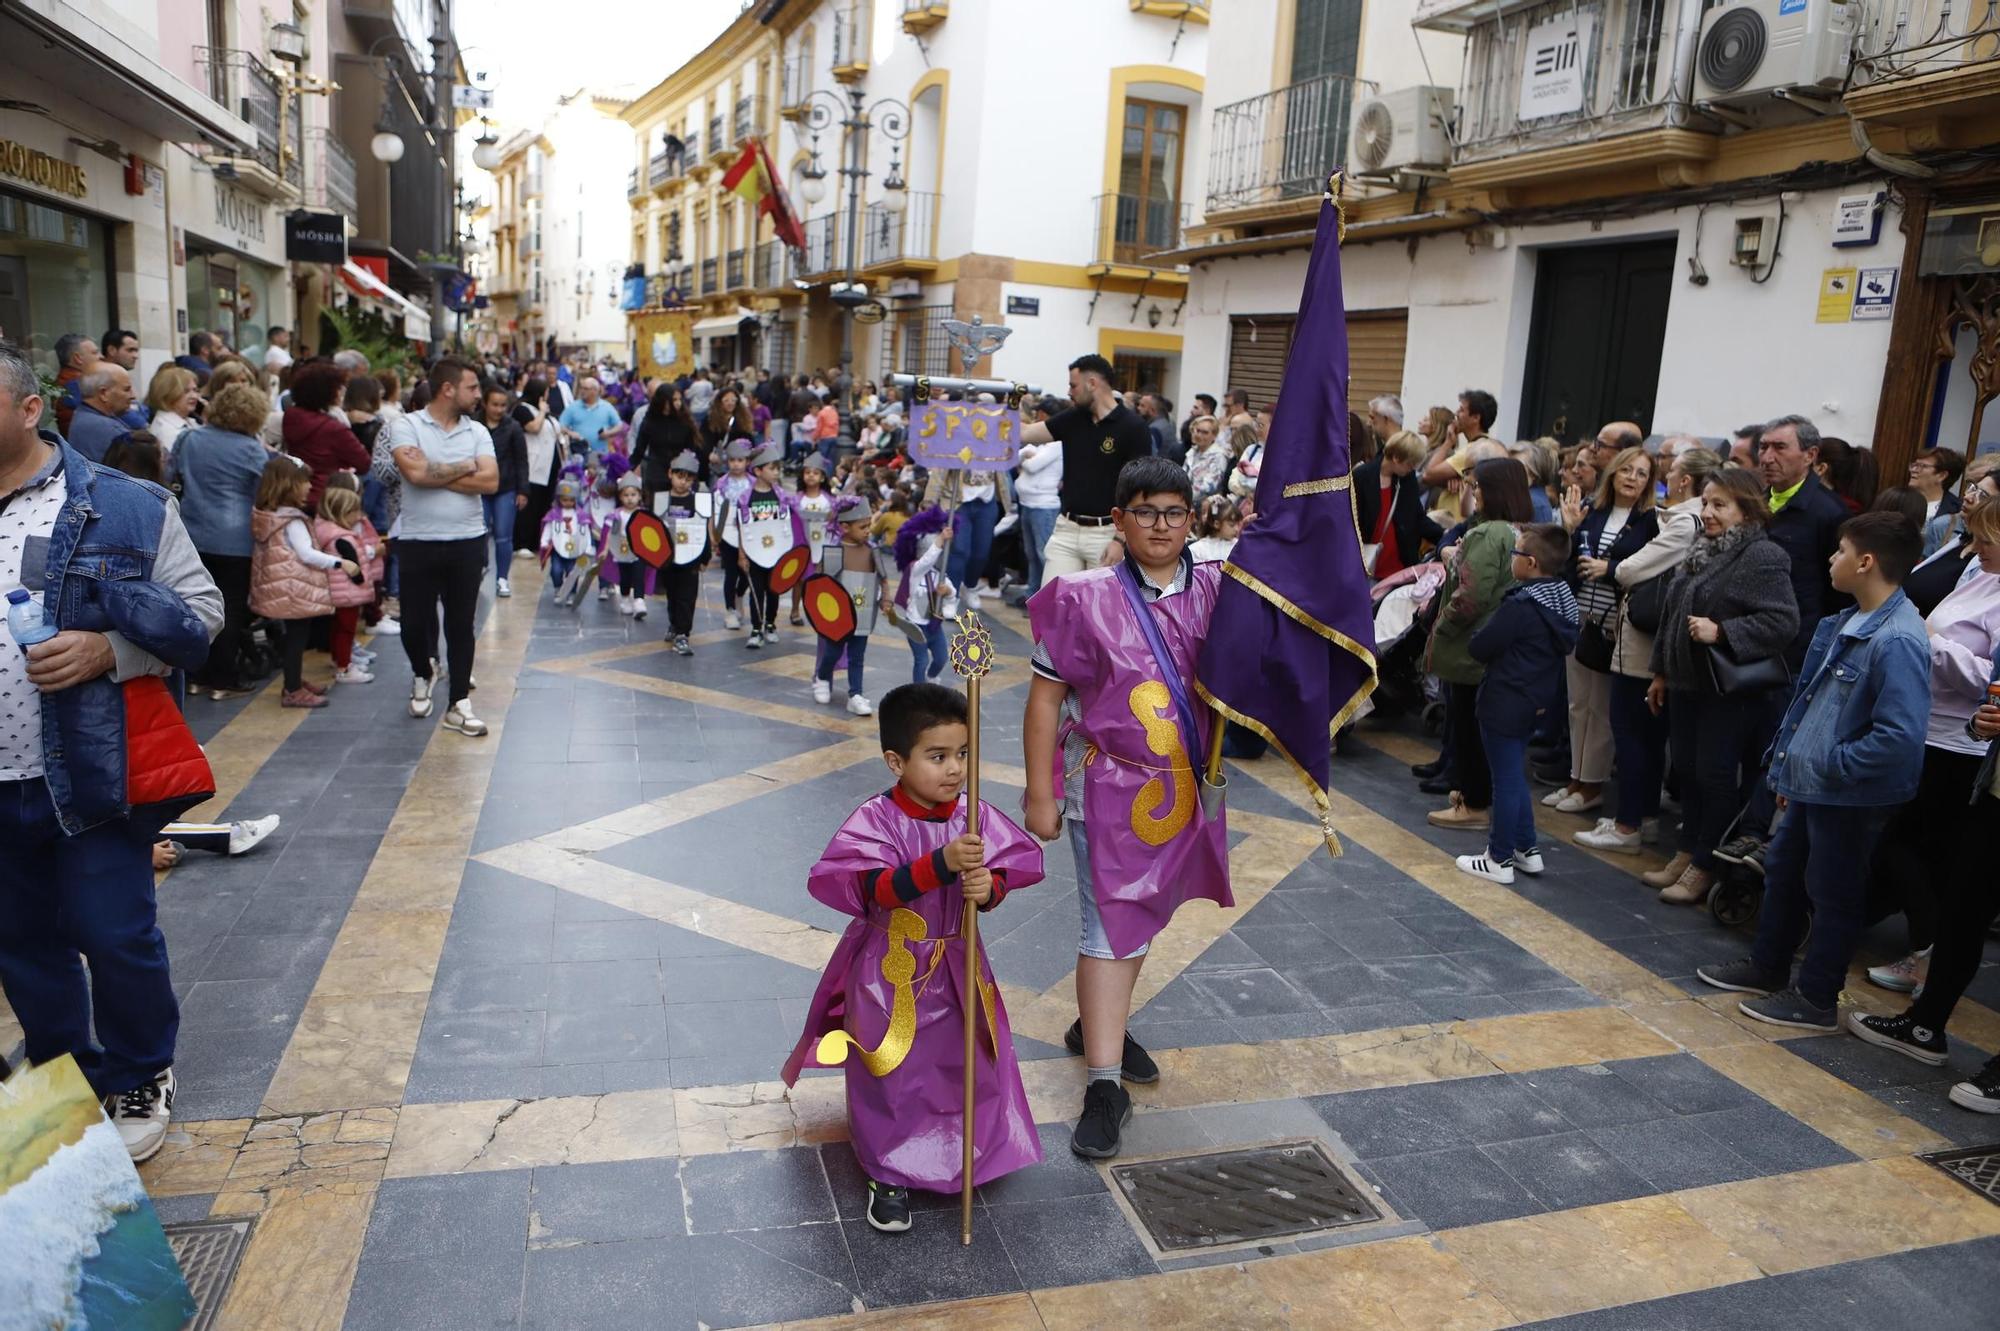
(1552, 62)
(1025, 305)
(316, 237)
(239, 212)
(39, 169)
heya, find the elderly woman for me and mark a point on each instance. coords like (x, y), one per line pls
(1733, 594)
(1207, 457)
(173, 398)
(1638, 737)
(218, 466)
(1945, 534)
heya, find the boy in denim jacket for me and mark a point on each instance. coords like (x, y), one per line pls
(1846, 756)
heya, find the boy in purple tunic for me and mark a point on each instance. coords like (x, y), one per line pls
(1112, 741)
(891, 1006)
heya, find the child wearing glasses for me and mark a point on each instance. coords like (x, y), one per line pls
(1112, 743)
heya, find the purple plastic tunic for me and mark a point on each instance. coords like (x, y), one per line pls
(890, 1007)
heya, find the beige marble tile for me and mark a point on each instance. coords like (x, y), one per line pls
(1845, 1113)
(1210, 1296)
(299, 1266)
(1405, 1284)
(1005, 1312)
(1688, 1024)
(1561, 1039)
(755, 1116)
(348, 1052)
(443, 1138)
(196, 1156)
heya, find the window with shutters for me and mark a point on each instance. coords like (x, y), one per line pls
(1376, 340)
(1258, 347)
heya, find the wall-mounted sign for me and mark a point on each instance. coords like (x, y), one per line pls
(1874, 294)
(316, 237)
(1857, 219)
(1552, 63)
(1030, 305)
(239, 212)
(870, 312)
(41, 170)
(1836, 296)
(465, 97)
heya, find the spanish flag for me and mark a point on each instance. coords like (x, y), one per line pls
(753, 177)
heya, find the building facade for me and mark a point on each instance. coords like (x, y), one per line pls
(1587, 211)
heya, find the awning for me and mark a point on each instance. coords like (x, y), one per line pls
(415, 319)
(722, 325)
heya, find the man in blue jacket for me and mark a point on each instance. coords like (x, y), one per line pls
(121, 581)
(1847, 754)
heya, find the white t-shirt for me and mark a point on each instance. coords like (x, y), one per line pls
(436, 514)
(276, 359)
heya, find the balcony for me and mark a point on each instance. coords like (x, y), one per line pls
(241, 82)
(1932, 73)
(1281, 145)
(851, 26)
(920, 16)
(794, 85)
(632, 183)
(1131, 229)
(333, 185)
(749, 118)
(734, 277)
(904, 242)
(708, 283)
(1190, 11)
(773, 269)
(822, 254)
(1633, 113)
(719, 146)
(661, 167)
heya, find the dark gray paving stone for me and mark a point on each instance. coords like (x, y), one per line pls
(1465, 1007)
(438, 1083)
(612, 1286)
(726, 1068)
(604, 940)
(1471, 1111)
(463, 988)
(1873, 1068)
(582, 985)
(1180, 999)
(1062, 1173)
(266, 956)
(469, 1292)
(1384, 939)
(214, 1007)
(497, 947)
(483, 1040)
(745, 975)
(1445, 1189)
(1226, 953)
(1332, 910)
(1259, 992)
(1567, 1169)
(707, 1030)
(605, 1203)
(773, 1275)
(756, 1190)
(1506, 968)
(1183, 1034)
(1559, 999)
(1346, 985)
(607, 1035)
(271, 913)
(1288, 946)
(1425, 977)
(1772, 1141)
(449, 1215)
(1071, 1241)
(489, 899)
(183, 1210)
(1592, 1096)
(1672, 1153)
(850, 1185)
(927, 1263)
(1450, 931)
(1683, 1083)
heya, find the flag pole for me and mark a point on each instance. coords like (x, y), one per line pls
(1215, 748)
(972, 657)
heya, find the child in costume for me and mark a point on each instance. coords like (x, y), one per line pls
(855, 565)
(763, 526)
(734, 484)
(686, 514)
(1113, 740)
(921, 589)
(891, 1004)
(615, 550)
(567, 536)
(603, 509)
(815, 506)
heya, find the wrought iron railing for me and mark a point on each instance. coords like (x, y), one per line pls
(794, 81)
(910, 234)
(660, 168)
(733, 271)
(1281, 144)
(822, 246)
(1927, 38)
(244, 85)
(708, 286)
(773, 266)
(749, 118)
(850, 34)
(717, 145)
(1131, 229)
(334, 184)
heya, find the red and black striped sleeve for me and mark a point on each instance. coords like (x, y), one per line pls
(905, 883)
(999, 890)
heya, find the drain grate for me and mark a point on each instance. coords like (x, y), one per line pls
(209, 1252)
(1202, 1201)
(1977, 1167)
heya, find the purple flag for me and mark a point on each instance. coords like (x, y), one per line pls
(1289, 651)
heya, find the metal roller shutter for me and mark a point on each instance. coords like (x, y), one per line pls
(1375, 344)
(1258, 346)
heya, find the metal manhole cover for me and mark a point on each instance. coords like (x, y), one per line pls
(209, 1252)
(1203, 1201)
(1977, 1167)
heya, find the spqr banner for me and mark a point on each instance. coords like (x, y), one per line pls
(965, 436)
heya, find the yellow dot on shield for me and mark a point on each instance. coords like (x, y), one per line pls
(829, 609)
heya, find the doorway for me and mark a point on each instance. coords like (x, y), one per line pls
(1594, 342)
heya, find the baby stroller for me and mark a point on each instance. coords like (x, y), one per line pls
(1406, 606)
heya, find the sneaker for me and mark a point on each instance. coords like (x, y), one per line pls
(1136, 1065)
(227, 695)
(1482, 866)
(638, 607)
(755, 640)
(388, 625)
(1981, 1092)
(354, 674)
(1903, 976)
(857, 705)
(1902, 1034)
(1529, 862)
(1107, 1108)
(1747, 851)
(681, 645)
(420, 697)
(141, 1115)
(461, 719)
(1555, 797)
(1458, 815)
(501, 589)
(1425, 771)
(1669, 873)
(603, 593)
(361, 656)
(731, 620)
(1606, 836)
(822, 691)
(888, 1207)
(319, 689)
(1789, 1007)
(624, 604)
(1690, 889)
(771, 635)
(301, 698)
(1575, 801)
(247, 835)
(1740, 977)
(972, 602)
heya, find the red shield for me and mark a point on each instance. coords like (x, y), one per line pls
(791, 570)
(649, 539)
(829, 608)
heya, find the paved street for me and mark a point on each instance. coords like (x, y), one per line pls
(489, 1036)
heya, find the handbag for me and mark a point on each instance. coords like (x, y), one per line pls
(1593, 647)
(1732, 677)
(1646, 604)
(1370, 552)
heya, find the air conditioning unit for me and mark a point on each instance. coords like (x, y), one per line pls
(1751, 49)
(1404, 130)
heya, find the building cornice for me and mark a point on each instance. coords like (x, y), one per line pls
(745, 36)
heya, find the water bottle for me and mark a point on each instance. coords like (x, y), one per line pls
(24, 619)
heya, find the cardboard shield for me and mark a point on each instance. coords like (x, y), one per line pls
(649, 539)
(829, 608)
(791, 569)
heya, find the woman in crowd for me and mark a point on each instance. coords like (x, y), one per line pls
(1733, 595)
(1849, 472)
(1939, 826)
(173, 400)
(1246, 446)
(1578, 477)
(1481, 573)
(1618, 522)
(1935, 472)
(503, 507)
(1638, 736)
(1363, 444)
(1904, 499)
(1389, 506)
(544, 437)
(315, 436)
(1945, 533)
(218, 466)
(1207, 459)
(138, 453)
(728, 421)
(666, 432)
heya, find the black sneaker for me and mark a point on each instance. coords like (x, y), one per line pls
(1107, 1108)
(1740, 977)
(888, 1207)
(681, 647)
(1747, 851)
(1980, 1093)
(1425, 771)
(1901, 1034)
(1137, 1067)
(1789, 1007)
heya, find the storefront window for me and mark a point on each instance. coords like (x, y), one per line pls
(55, 277)
(230, 296)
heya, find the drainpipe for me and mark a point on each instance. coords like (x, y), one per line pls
(1687, 42)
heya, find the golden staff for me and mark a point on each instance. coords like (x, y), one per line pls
(971, 657)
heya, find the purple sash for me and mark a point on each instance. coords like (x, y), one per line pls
(1128, 582)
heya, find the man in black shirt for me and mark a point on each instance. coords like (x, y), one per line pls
(1099, 436)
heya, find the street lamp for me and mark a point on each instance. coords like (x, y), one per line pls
(823, 109)
(486, 148)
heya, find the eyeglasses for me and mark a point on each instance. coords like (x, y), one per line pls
(1148, 516)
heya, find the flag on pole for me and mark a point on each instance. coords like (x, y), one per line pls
(754, 178)
(1290, 646)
